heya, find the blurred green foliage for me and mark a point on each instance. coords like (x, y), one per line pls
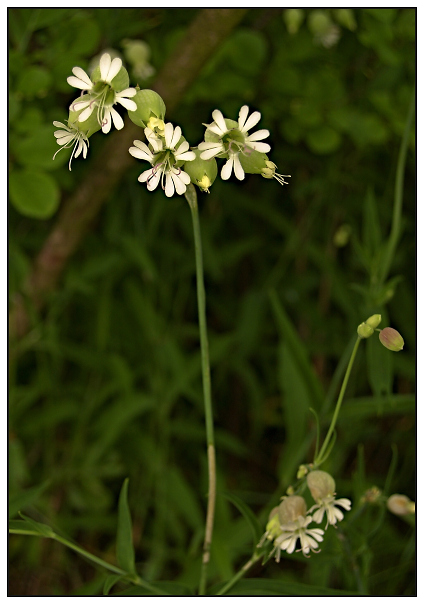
(107, 384)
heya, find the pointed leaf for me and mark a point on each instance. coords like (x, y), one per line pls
(124, 544)
(253, 522)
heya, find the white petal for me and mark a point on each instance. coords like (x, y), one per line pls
(60, 125)
(82, 75)
(184, 177)
(258, 136)
(145, 175)
(114, 69)
(252, 121)
(219, 121)
(260, 147)
(243, 113)
(183, 147)
(76, 83)
(187, 156)
(169, 131)
(118, 122)
(63, 140)
(85, 149)
(128, 104)
(78, 105)
(176, 137)
(169, 186)
(153, 180)
(84, 115)
(238, 170)
(128, 92)
(105, 62)
(227, 169)
(107, 121)
(79, 149)
(139, 154)
(179, 185)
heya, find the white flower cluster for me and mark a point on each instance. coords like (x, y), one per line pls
(165, 148)
(289, 522)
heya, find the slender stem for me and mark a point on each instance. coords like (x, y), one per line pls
(114, 569)
(398, 197)
(239, 575)
(326, 442)
(191, 197)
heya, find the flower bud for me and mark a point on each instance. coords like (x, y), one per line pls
(391, 339)
(374, 321)
(365, 331)
(202, 172)
(302, 471)
(321, 484)
(149, 105)
(291, 508)
(400, 505)
(273, 526)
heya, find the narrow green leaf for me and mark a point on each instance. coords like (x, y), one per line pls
(111, 580)
(253, 522)
(124, 544)
(41, 529)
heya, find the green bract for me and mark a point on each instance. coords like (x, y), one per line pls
(149, 104)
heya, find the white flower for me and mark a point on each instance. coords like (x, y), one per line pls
(101, 96)
(292, 531)
(68, 136)
(108, 70)
(231, 141)
(327, 506)
(164, 155)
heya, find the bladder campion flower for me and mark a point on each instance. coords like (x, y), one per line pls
(322, 488)
(104, 90)
(166, 158)
(228, 139)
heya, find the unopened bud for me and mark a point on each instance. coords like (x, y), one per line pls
(202, 172)
(400, 505)
(302, 471)
(374, 321)
(149, 104)
(391, 339)
(364, 331)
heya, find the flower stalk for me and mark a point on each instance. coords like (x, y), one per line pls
(191, 197)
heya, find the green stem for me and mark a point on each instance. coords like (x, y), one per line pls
(239, 575)
(114, 569)
(191, 197)
(321, 455)
(398, 198)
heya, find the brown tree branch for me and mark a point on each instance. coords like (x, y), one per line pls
(208, 29)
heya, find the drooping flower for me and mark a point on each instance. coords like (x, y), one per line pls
(289, 522)
(166, 156)
(292, 531)
(102, 93)
(70, 135)
(229, 139)
(322, 488)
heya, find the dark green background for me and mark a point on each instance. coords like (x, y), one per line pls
(107, 382)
